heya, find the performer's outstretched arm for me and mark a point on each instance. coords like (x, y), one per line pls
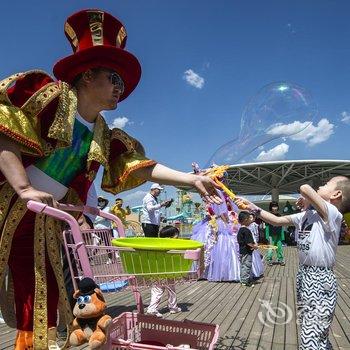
(12, 168)
(164, 175)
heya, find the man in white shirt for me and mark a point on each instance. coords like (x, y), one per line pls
(150, 216)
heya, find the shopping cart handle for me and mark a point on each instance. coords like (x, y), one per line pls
(42, 208)
(97, 212)
(38, 207)
(193, 254)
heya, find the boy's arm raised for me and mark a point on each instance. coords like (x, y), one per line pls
(265, 215)
(315, 200)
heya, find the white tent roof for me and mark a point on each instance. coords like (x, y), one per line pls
(285, 176)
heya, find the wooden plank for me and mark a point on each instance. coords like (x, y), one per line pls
(291, 326)
(236, 308)
(246, 330)
(282, 314)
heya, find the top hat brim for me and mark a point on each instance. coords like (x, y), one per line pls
(118, 60)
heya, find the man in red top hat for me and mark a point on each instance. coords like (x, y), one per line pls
(52, 142)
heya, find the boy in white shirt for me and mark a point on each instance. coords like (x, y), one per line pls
(318, 228)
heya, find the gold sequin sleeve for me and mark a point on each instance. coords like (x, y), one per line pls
(17, 126)
(22, 97)
(126, 156)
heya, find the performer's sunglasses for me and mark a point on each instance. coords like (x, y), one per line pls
(117, 81)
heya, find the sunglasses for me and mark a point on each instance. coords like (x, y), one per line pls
(117, 81)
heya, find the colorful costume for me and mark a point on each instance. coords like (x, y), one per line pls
(40, 115)
(275, 236)
(220, 258)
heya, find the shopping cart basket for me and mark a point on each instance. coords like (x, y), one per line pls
(90, 254)
(143, 332)
(166, 260)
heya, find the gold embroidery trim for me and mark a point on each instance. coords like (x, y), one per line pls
(53, 230)
(96, 28)
(62, 127)
(142, 164)
(40, 299)
(5, 83)
(23, 140)
(99, 148)
(40, 99)
(71, 33)
(121, 36)
(124, 138)
(6, 195)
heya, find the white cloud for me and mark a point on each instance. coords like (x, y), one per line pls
(276, 153)
(135, 197)
(193, 79)
(345, 117)
(120, 123)
(310, 133)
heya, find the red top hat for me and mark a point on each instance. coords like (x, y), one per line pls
(98, 40)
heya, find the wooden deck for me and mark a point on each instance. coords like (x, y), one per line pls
(240, 312)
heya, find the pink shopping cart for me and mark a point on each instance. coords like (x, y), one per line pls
(91, 254)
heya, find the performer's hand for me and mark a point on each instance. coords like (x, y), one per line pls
(243, 203)
(207, 189)
(31, 193)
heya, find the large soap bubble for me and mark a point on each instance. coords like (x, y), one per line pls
(279, 109)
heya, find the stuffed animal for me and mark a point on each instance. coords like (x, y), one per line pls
(90, 323)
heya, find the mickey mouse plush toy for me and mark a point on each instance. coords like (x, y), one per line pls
(90, 323)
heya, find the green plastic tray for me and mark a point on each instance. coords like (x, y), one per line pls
(150, 258)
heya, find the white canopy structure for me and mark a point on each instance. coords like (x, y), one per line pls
(283, 176)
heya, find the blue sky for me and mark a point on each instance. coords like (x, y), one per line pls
(229, 49)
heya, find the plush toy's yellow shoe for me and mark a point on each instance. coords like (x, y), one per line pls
(24, 340)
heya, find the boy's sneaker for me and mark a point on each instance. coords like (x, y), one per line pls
(175, 310)
(251, 285)
(282, 263)
(269, 263)
(154, 313)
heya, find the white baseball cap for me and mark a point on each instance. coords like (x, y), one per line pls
(156, 186)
